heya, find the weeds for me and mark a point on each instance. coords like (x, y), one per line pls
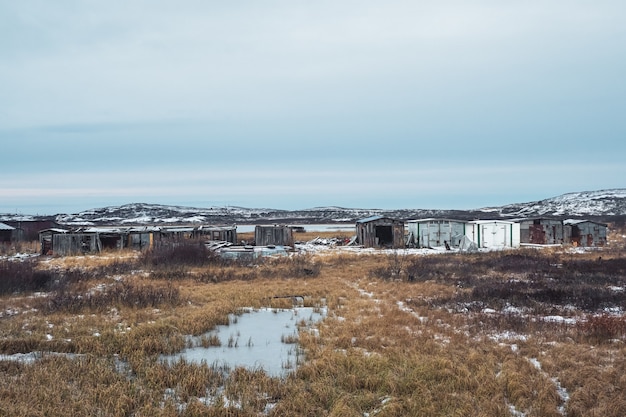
(453, 334)
(127, 294)
(187, 253)
(602, 328)
(20, 276)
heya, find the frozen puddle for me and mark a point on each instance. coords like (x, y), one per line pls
(257, 339)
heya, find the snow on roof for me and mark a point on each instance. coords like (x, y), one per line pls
(372, 218)
(6, 227)
(434, 219)
(579, 221)
(177, 229)
(490, 221)
(214, 228)
(54, 230)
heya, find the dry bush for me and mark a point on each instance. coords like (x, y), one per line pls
(295, 266)
(178, 253)
(602, 328)
(20, 276)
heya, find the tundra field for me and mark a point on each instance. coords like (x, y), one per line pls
(525, 332)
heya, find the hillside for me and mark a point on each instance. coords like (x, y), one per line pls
(602, 205)
(598, 204)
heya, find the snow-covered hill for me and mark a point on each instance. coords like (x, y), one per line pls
(603, 204)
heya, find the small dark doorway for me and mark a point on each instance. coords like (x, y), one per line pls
(384, 235)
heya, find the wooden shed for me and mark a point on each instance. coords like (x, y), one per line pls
(278, 235)
(380, 232)
(585, 233)
(428, 233)
(46, 237)
(64, 244)
(541, 231)
(222, 233)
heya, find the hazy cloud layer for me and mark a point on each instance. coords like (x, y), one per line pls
(292, 104)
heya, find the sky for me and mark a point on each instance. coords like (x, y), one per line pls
(447, 104)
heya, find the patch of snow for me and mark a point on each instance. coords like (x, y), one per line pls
(508, 336)
(559, 319)
(535, 362)
(561, 391)
(509, 309)
(515, 412)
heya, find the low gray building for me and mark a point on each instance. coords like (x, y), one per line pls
(541, 231)
(428, 233)
(221, 233)
(278, 235)
(585, 233)
(64, 244)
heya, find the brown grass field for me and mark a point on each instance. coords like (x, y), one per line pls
(526, 332)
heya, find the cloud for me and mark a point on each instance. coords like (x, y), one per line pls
(318, 101)
(120, 61)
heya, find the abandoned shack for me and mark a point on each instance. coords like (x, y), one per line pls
(64, 244)
(133, 237)
(585, 233)
(279, 235)
(176, 233)
(6, 233)
(541, 231)
(428, 233)
(493, 233)
(46, 237)
(218, 233)
(380, 232)
(61, 242)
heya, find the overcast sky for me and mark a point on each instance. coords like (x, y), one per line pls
(296, 104)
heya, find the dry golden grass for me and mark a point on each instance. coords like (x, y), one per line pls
(388, 347)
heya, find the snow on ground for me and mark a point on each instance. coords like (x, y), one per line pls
(562, 392)
(19, 256)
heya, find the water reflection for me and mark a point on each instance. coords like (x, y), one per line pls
(257, 339)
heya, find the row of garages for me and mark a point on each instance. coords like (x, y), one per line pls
(379, 231)
(375, 232)
(61, 242)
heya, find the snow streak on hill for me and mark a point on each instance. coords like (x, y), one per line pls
(580, 204)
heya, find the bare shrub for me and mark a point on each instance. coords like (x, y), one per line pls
(392, 268)
(227, 273)
(303, 265)
(296, 266)
(188, 253)
(22, 276)
(602, 328)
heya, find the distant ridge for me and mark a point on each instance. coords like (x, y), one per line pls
(602, 205)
